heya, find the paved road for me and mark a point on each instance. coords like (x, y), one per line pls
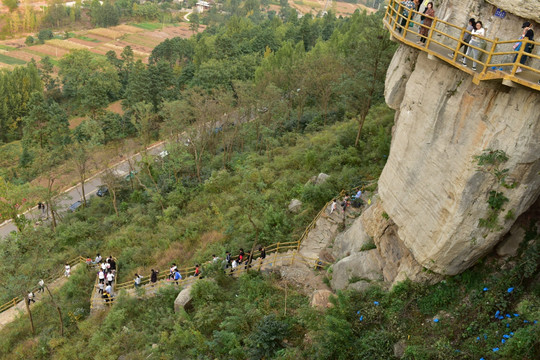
(74, 193)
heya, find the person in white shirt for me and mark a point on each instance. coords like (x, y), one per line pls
(30, 297)
(101, 276)
(110, 278)
(41, 285)
(333, 207)
(98, 259)
(475, 41)
(67, 272)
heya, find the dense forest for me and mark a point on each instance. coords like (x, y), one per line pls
(251, 108)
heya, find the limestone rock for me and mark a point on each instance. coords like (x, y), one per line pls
(183, 299)
(295, 206)
(362, 265)
(360, 286)
(510, 244)
(320, 299)
(351, 240)
(321, 178)
(430, 187)
(399, 349)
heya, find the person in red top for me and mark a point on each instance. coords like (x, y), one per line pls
(197, 271)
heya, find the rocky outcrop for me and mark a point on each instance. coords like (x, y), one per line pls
(295, 205)
(321, 299)
(430, 187)
(432, 194)
(365, 265)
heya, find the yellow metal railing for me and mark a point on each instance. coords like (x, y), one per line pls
(11, 303)
(445, 37)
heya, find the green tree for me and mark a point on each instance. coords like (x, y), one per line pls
(91, 81)
(16, 87)
(194, 22)
(11, 4)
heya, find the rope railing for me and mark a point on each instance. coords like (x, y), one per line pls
(17, 299)
(446, 39)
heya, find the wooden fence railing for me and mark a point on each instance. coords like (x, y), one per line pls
(496, 57)
(11, 303)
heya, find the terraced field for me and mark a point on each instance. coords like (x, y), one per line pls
(141, 37)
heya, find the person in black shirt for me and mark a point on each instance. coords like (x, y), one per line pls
(529, 34)
(263, 252)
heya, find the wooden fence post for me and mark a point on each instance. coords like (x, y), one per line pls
(430, 32)
(490, 55)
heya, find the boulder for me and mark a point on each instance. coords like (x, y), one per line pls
(350, 241)
(295, 206)
(360, 286)
(320, 299)
(399, 349)
(183, 300)
(321, 178)
(365, 265)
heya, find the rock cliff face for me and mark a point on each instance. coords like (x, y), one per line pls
(431, 192)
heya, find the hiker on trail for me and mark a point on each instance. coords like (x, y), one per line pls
(100, 286)
(171, 271)
(177, 276)
(466, 39)
(41, 285)
(67, 272)
(249, 258)
(475, 41)
(241, 256)
(101, 276)
(215, 259)
(426, 23)
(227, 259)
(197, 271)
(234, 265)
(108, 267)
(110, 278)
(97, 259)
(30, 297)
(333, 207)
(527, 33)
(103, 267)
(137, 280)
(407, 6)
(345, 203)
(112, 263)
(263, 252)
(88, 261)
(153, 276)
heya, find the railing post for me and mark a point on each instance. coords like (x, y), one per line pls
(459, 45)
(409, 16)
(275, 255)
(292, 259)
(430, 32)
(398, 17)
(490, 55)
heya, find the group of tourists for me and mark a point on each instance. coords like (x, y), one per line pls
(473, 38)
(106, 275)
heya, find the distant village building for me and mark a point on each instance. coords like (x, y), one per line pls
(202, 5)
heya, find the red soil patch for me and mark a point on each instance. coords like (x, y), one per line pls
(49, 50)
(116, 107)
(73, 123)
(23, 55)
